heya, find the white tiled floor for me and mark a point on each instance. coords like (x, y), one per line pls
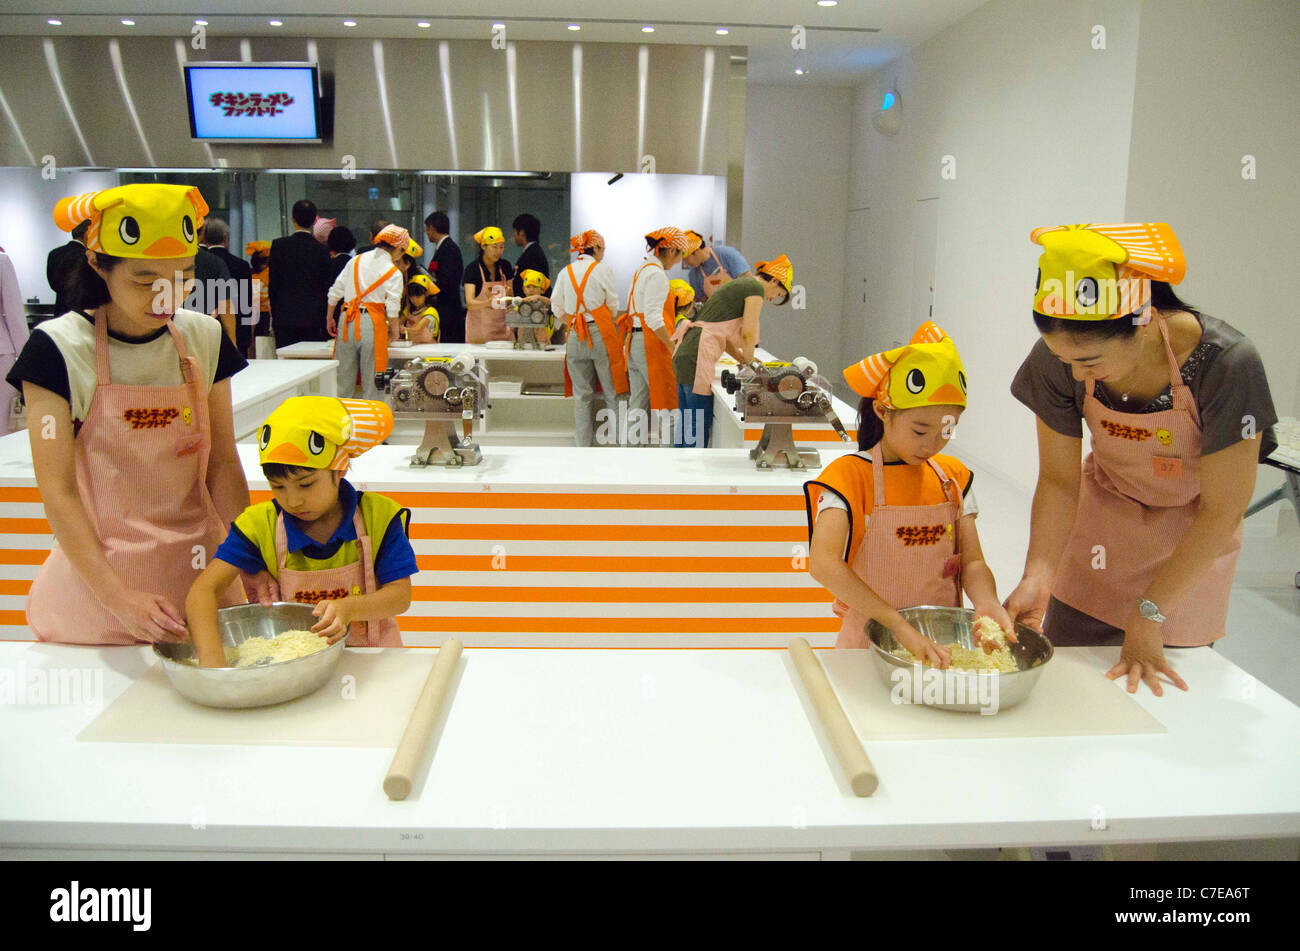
(1264, 613)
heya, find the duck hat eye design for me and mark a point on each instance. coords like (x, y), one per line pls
(926, 372)
(137, 221)
(322, 432)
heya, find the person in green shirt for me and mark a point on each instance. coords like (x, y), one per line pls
(728, 323)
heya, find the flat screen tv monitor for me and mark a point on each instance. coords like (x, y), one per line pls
(254, 102)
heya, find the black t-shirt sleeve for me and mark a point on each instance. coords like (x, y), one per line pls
(474, 275)
(1233, 399)
(1046, 386)
(41, 363)
(229, 361)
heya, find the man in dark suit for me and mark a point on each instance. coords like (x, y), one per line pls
(62, 262)
(300, 281)
(448, 271)
(216, 238)
(527, 231)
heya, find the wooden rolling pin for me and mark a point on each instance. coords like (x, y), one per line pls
(419, 728)
(848, 750)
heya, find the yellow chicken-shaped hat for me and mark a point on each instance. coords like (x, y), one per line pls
(322, 432)
(137, 221)
(926, 372)
(531, 278)
(1098, 272)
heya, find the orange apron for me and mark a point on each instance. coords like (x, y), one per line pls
(309, 587)
(376, 310)
(142, 464)
(611, 334)
(483, 322)
(1138, 494)
(658, 360)
(714, 337)
(908, 554)
(716, 279)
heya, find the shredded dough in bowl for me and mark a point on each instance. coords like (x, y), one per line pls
(966, 658)
(287, 645)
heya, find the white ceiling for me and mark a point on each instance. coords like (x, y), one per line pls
(844, 42)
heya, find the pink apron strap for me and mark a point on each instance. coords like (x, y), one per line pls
(878, 473)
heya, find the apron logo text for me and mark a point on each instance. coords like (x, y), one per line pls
(150, 418)
(1120, 431)
(913, 535)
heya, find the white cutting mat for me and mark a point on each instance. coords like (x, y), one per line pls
(384, 686)
(1072, 698)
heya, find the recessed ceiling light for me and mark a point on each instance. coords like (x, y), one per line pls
(349, 22)
(722, 31)
(647, 29)
(574, 26)
(276, 22)
(54, 22)
(799, 71)
(128, 23)
(498, 26)
(827, 3)
(424, 24)
(200, 22)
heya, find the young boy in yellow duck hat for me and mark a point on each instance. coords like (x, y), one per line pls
(893, 525)
(325, 543)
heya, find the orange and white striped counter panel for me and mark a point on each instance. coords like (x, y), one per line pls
(552, 547)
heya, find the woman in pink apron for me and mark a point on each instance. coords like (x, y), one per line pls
(1136, 547)
(139, 493)
(487, 283)
(893, 525)
(728, 323)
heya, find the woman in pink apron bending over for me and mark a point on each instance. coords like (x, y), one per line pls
(728, 323)
(133, 441)
(487, 283)
(893, 525)
(1137, 546)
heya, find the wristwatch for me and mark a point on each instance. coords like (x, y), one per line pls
(1150, 611)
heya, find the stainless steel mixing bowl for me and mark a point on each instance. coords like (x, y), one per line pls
(953, 626)
(252, 686)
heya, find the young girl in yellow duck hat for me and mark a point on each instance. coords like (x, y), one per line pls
(325, 543)
(893, 525)
(420, 319)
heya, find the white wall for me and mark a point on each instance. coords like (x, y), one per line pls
(1037, 123)
(637, 204)
(27, 229)
(1214, 84)
(796, 185)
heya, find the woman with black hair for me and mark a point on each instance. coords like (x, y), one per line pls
(132, 434)
(1138, 545)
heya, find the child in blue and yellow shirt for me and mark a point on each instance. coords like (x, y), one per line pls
(323, 542)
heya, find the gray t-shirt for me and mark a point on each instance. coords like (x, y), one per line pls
(1224, 372)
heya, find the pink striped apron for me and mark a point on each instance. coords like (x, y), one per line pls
(310, 587)
(908, 554)
(142, 463)
(714, 337)
(1137, 496)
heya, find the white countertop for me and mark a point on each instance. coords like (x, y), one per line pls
(630, 750)
(266, 377)
(544, 468)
